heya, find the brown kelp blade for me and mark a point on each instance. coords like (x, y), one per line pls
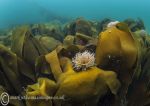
(139, 90)
(26, 46)
(42, 68)
(8, 65)
(117, 50)
(13, 70)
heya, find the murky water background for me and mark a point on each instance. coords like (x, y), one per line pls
(14, 12)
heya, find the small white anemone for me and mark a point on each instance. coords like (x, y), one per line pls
(112, 24)
(83, 60)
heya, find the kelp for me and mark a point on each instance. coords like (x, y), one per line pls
(68, 40)
(82, 39)
(135, 72)
(69, 81)
(52, 59)
(116, 50)
(13, 69)
(120, 77)
(90, 89)
(51, 29)
(78, 26)
(9, 70)
(15, 74)
(68, 51)
(135, 25)
(42, 68)
(41, 93)
(26, 46)
(49, 42)
(141, 79)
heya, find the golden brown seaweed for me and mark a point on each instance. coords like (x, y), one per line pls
(88, 87)
(117, 50)
(44, 89)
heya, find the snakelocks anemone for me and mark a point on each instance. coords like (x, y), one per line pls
(83, 60)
